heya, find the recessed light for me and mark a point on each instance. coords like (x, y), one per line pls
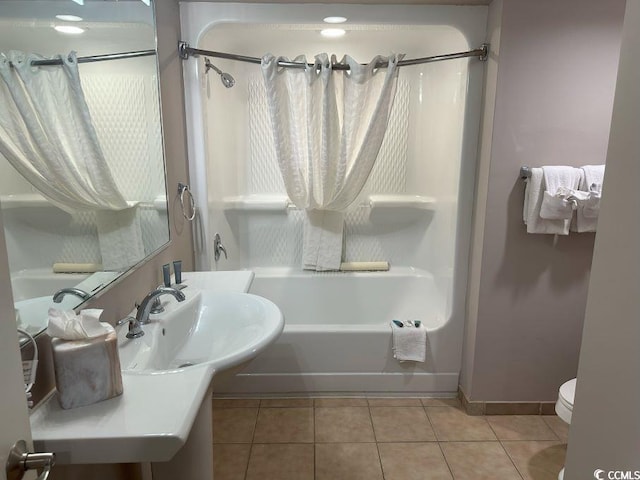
(332, 32)
(69, 29)
(334, 19)
(69, 18)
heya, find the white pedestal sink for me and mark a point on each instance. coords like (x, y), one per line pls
(166, 375)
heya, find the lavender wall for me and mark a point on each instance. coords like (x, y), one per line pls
(604, 428)
(557, 65)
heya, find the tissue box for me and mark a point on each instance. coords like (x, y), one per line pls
(87, 371)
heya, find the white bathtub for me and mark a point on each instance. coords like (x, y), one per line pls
(33, 290)
(337, 336)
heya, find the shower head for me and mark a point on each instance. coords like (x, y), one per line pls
(226, 78)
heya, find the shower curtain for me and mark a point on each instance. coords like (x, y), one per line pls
(47, 135)
(328, 127)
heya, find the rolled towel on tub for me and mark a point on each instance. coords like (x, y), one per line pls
(364, 266)
(77, 267)
(409, 341)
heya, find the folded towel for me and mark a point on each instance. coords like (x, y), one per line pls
(558, 206)
(533, 196)
(559, 182)
(409, 343)
(322, 240)
(115, 229)
(589, 203)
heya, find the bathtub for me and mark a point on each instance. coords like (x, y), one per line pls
(337, 336)
(33, 290)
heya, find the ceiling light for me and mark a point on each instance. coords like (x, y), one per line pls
(69, 18)
(70, 29)
(79, 2)
(147, 2)
(334, 19)
(332, 32)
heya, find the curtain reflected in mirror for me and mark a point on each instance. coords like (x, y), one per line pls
(82, 177)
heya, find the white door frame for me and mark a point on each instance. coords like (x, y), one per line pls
(14, 415)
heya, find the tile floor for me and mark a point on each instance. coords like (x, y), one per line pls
(380, 439)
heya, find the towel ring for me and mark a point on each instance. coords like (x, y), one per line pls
(182, 187)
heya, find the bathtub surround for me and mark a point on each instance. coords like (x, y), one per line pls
(413, 212)
(327, 133)
(546, 99)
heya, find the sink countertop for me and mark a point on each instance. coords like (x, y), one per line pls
(149, 422)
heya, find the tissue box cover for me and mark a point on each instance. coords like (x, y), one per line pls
(87, 371)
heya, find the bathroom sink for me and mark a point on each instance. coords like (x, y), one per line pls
(208, 329)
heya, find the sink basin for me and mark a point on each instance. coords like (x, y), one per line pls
(216, 330)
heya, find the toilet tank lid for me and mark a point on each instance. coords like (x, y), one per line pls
(568, 391)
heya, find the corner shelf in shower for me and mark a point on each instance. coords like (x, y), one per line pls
(281, 203)
(33, 200)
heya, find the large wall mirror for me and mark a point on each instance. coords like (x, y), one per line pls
(82, 175)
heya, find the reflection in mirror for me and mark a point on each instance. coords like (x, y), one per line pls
(82, 178)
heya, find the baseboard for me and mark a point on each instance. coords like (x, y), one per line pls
(505, 408)
(439, 384)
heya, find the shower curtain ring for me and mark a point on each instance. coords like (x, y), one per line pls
(182, 187)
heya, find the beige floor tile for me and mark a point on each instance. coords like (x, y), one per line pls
(520, 427)
(234, 425)
(236, 402)
(394, 402)
(284, 425)
(441, 402)
(453, 424)
(341, 402)
(537, 460)
(230, 461)
(286, 402)
(281, 462)
(401, 424)
(559, 426)
(343, 424)
(413, 461)
(479, 461)
(347, 461)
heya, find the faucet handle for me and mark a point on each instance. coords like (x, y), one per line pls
(218, 247)
(135, 329)
(124, 320)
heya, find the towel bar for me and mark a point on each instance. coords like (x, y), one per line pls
(525, 172)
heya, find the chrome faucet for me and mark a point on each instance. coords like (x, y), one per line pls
(142, 316)
(59, 295)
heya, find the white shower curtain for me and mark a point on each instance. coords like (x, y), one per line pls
(47, 135)
(327, 127)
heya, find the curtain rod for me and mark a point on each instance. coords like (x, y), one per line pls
(185, 51)
(97, 58)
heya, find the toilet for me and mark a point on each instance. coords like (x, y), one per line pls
(564, 406)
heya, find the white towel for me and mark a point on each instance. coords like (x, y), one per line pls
(322, 240)
(409, 343)
(559, 183)
(533, 195)
(589, 203)
(117, 228)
